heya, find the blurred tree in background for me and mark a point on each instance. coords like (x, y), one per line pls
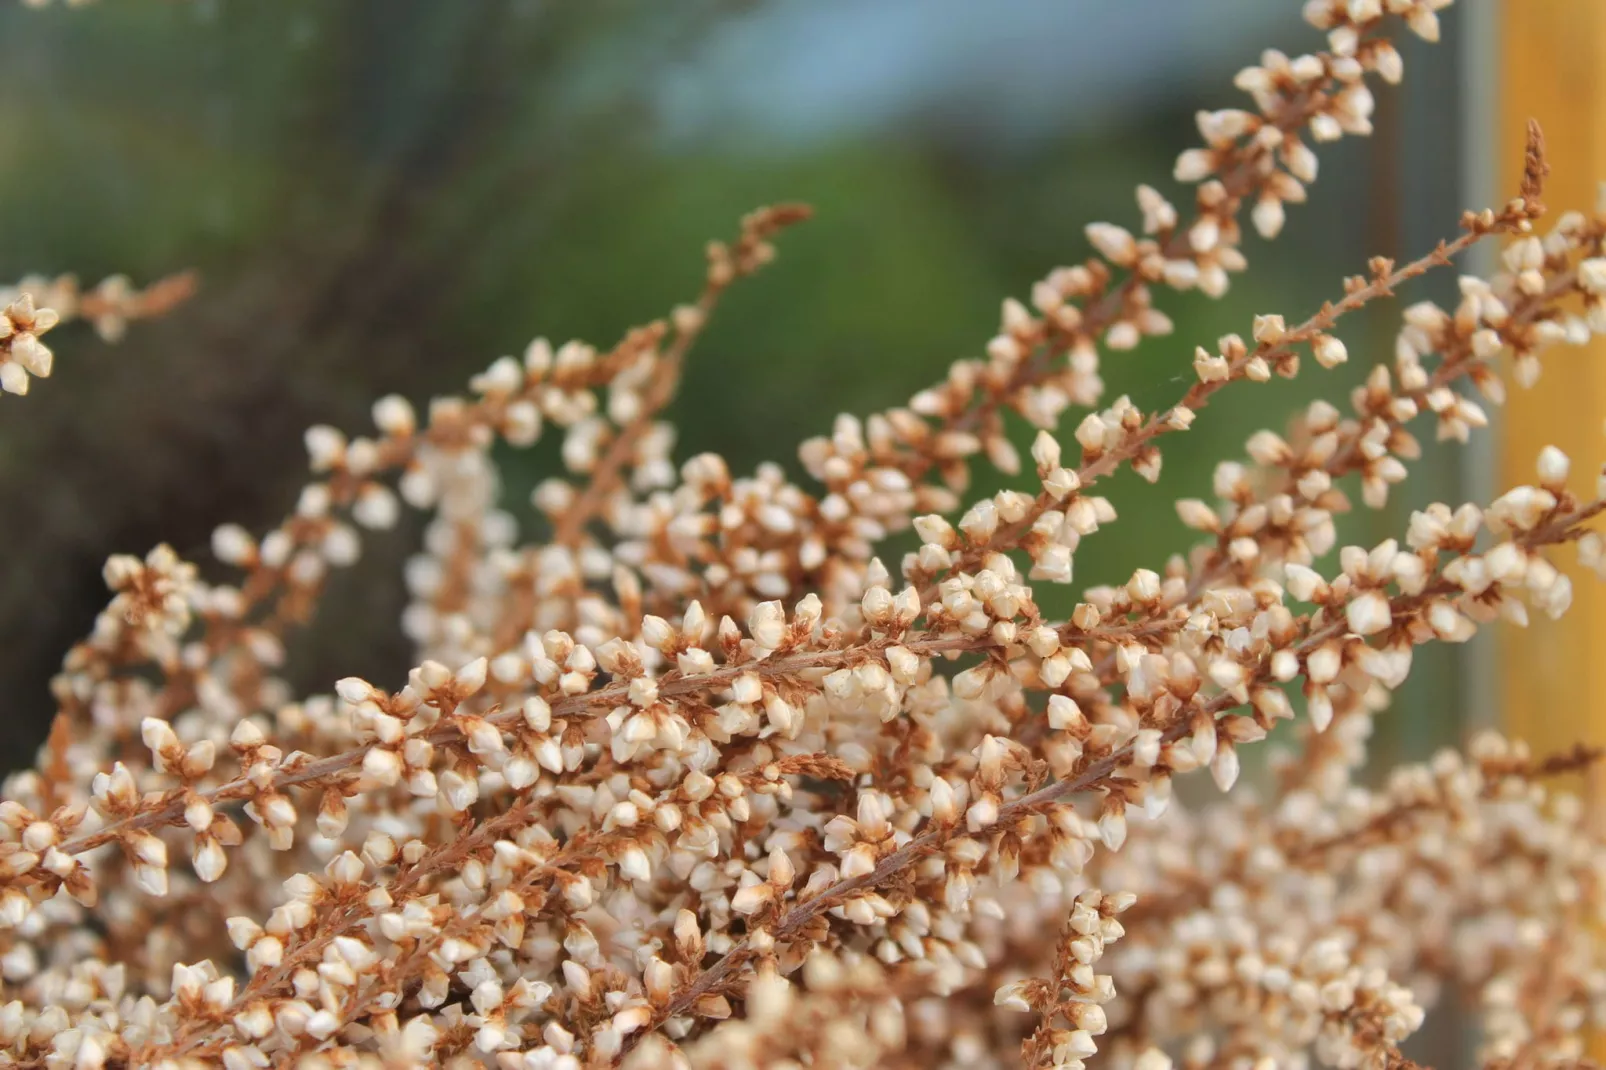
(385, 195)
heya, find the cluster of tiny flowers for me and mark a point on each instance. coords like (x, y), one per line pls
(35, 305)
(1323, 917)
(700, 777)
(110, 305)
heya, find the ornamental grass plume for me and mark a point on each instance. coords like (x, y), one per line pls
(702, 778)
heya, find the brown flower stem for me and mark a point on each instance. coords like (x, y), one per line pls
(1200, 393)
(1453, 366)
(300, 771)
(743, 259)
(1239, 177)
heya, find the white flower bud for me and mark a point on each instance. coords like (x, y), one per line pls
(1369, 613)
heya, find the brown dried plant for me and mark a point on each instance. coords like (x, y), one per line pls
(698, 779)
(35, 305)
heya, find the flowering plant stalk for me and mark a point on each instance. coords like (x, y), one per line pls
(700, 779)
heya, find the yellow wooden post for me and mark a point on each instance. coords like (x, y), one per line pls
(1552, 67)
